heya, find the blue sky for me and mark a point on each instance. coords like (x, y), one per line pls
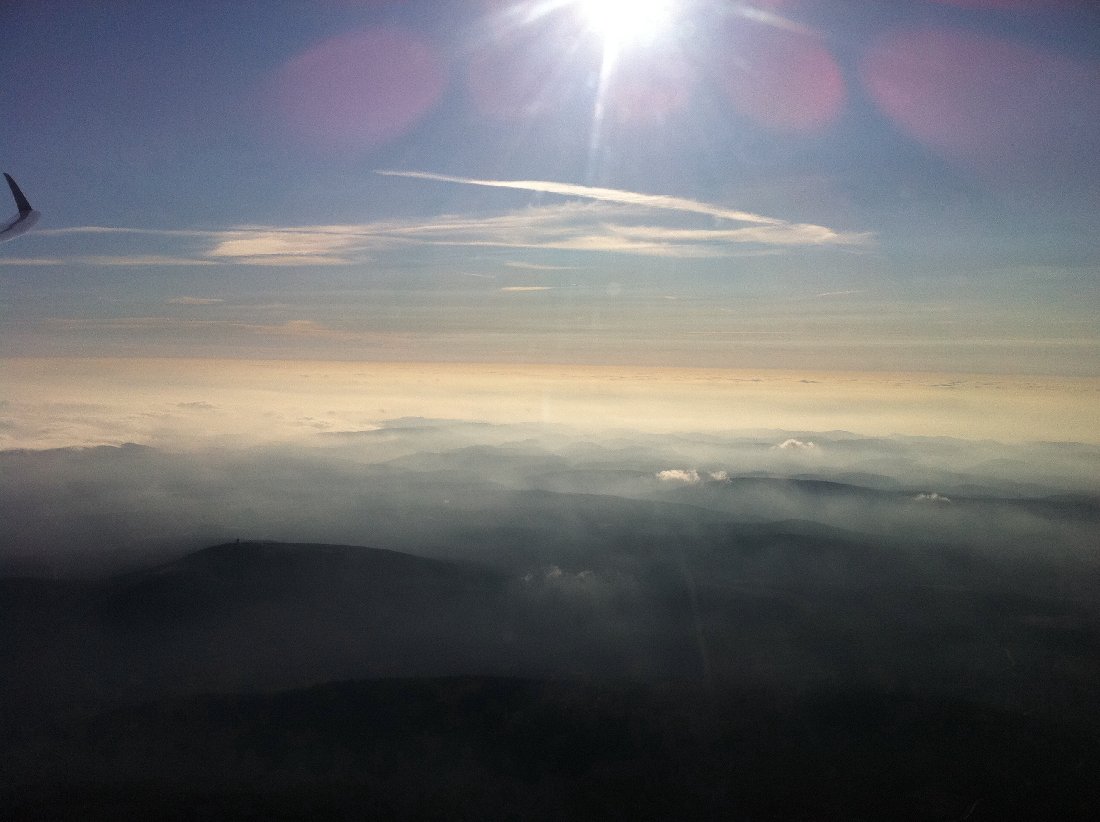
(872, 186)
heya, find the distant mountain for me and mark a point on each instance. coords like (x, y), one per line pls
(247, 616)
(598, 588)
(326, 578)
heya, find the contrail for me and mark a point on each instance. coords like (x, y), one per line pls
(607, 195)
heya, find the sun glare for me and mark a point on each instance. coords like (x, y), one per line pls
(625, 21)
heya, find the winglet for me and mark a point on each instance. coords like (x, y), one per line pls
(20, 198)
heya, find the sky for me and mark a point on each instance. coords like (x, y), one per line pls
(775, 188)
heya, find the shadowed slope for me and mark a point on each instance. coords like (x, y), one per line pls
(483, 748)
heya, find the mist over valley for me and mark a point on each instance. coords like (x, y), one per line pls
(793, 566)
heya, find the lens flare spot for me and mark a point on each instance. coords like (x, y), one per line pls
(783, 80)
(1010, 111)
(362, 89)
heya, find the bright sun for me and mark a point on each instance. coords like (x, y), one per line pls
(626, 21)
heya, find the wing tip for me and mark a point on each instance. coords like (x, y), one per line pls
(20, 198)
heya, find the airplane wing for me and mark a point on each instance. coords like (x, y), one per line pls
(22, 221)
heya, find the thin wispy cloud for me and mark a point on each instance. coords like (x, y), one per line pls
(106, 229)
(238, 245)
(528, 288)
(738, 332)
(595, 243)
(607, 195)
(320, 245)
(174, 325)
(538, 266)
(585, 227)
(562, 220)
(30, 261)
(789, 234)
(139, 260)
(193, 301)
(294, 260)
(599, 227)
(662, 240)
(592, 220)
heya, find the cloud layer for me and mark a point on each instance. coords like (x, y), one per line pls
(591, 220)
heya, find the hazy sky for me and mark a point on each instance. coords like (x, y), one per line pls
(799, 185)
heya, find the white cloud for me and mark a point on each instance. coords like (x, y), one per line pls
(792, 443)
(585, 585)
(265, 244)
(554, 574)
(691, 476)
(687, 477)
(933, 497)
